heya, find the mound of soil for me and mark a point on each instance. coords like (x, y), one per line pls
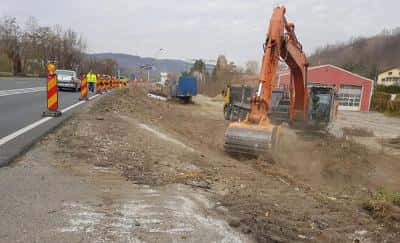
(312, 190)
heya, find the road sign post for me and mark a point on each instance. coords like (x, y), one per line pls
(52, 93)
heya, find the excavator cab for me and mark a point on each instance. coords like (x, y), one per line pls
(321, 106)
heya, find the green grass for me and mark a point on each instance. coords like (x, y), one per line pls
(385, 196)
(382, 203)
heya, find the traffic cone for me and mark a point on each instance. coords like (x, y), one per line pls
(52, 92)
(84, 90)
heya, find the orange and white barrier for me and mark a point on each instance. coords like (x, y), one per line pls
(84, 89)
(52, 92)
(103, 84)
(98, 85)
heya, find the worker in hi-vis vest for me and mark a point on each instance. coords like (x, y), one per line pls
(92, 80)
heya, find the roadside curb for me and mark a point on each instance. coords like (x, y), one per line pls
(20, 145)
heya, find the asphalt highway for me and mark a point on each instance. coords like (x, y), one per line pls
(22, 101)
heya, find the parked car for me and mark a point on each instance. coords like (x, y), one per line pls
(67, 79)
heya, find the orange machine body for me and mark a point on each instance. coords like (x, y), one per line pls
(256, 133)
(286, 46)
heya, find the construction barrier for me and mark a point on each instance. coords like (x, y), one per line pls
(52, 92)
(109, 84)
(84, 89)
(98, 85)
(103, 85)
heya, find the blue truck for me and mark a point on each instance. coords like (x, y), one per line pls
(184, 89)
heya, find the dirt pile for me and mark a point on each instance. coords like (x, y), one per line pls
(311, 192)
(393, 142)
(336, 164)
(357, 131)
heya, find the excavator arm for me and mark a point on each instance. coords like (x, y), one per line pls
(256, 134)
(281, 43)
(295, 58)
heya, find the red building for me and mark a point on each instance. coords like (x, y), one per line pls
(354, 91)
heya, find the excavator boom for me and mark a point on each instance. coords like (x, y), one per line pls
(256, 134)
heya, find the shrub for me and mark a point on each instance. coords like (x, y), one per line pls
(393, 108)
(380, 101)
(393, 89)
(383, 195)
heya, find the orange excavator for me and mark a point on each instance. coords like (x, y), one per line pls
(308, 105)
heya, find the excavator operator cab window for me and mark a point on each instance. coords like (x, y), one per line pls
(320, 107)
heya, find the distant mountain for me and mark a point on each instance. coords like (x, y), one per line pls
(364, 56)
(130, 63)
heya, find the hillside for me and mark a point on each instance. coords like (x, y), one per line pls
(364, 56)
(130, 63)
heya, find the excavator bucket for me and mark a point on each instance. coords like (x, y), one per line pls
(243, 138)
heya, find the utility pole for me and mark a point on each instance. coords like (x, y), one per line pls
(150, 66)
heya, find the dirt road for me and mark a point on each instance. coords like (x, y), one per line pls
(132, 169)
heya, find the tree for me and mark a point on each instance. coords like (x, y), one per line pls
(10, 42)
(252, 67)
(223, 74)
(199, 71)
(29, 50)
(224, 71)
(364, 56)
(199, 66)
(220, 69)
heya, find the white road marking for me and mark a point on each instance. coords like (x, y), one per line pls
(93, 97)
(21, 91)
(21, 131)
(72, 106)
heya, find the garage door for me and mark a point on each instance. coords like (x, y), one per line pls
(350, 98)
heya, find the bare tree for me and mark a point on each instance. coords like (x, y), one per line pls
(252, 67)
(10, 42)
(364, 56)
(30, 49)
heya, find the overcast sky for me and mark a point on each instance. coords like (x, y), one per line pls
(205, 28)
